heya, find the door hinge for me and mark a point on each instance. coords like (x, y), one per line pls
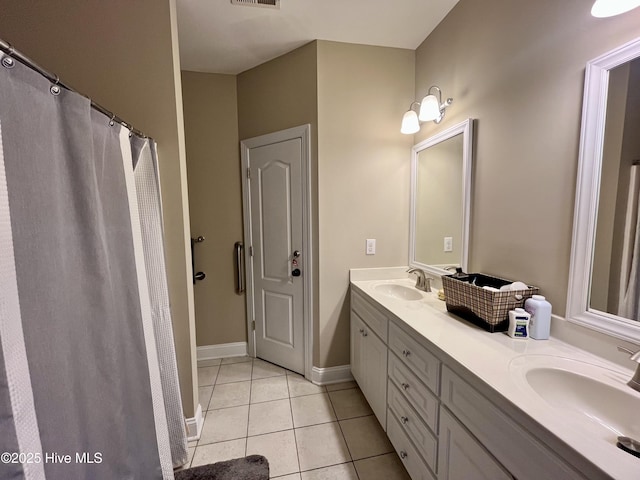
(250, 250)
(248, 172)
(253, 325)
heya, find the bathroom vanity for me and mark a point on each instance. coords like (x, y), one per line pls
(458, 402)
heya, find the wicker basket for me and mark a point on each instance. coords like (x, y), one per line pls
(466, 298)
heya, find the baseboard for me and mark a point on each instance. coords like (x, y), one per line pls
(194, 425)
(223, 350)
(326, 376)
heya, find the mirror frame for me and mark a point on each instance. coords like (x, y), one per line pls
(466, 129)
(596, 87)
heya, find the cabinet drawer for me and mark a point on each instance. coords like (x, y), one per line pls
(374, 318)
(419, 396)
(413, 426)
(409, 456)
(418, 358)
(503, 437)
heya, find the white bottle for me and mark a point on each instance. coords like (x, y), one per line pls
(518, 323)
(540, 323)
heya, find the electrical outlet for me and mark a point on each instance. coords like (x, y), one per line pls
(371, 246)
(448, 244)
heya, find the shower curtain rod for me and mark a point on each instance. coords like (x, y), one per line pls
(9, 50)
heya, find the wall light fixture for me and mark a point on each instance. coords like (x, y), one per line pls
(610, 8)
(432, 108)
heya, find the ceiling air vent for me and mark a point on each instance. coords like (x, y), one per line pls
(258, 3)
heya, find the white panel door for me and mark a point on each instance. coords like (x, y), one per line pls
(275, 183)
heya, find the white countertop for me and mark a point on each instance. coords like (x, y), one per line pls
(489, 356)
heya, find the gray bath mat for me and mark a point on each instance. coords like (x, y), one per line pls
(253, 467)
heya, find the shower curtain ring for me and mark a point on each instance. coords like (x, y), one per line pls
(9, 62)
(111, 121)
(55, 89)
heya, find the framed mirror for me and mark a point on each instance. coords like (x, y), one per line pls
(604, 278)
(440, 200)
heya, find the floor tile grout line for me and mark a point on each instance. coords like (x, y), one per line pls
(249, 410)
(326, 466)
(377, 455)
(343, 435)
(223, 441)
(215, 382)
(341, 431)
(329, 466)
(295, 437)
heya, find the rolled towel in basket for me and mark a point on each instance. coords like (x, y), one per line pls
(514, 286)
(491, 289)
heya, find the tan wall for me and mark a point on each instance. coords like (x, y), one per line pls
(124, 55)
(281, 94)
(363, 174)
(215, 203)
(520, 72)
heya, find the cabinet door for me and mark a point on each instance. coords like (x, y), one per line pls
(357, 359)
(460, 455)
(375, 375)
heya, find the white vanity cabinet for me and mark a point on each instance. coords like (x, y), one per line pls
(441, 425)
(369, 354)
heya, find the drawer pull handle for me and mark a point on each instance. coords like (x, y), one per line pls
(406, 353)
(404, 420)
(364, 334)
(405, 386)
(403, 454)
(361, 330)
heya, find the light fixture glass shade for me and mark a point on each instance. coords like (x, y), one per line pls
(429, 108)
(410, 123)
(610, 8)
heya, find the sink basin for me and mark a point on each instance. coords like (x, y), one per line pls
(397, 291)
(597, 393)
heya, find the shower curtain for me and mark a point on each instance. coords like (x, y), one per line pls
(88, 383)
(629, 299)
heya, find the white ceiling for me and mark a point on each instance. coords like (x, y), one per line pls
(218, 37)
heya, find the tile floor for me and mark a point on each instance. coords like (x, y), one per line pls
(307, 432)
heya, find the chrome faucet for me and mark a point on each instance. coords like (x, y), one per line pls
(635, 381)
(423, 282)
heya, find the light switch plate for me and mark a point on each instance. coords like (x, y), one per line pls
(448, 244)
(371, 246)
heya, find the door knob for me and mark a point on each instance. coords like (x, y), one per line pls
(200, 276)
(296, 272)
